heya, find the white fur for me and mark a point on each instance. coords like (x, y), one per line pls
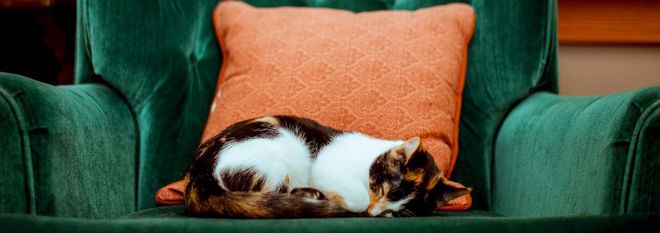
(342, 167)
(273, 158)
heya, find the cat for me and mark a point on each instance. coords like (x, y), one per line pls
(292, 167)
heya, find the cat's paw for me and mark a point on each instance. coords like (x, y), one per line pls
(309, 193)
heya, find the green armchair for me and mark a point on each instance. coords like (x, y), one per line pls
(90, 156)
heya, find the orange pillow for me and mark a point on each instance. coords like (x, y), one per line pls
(389, 74)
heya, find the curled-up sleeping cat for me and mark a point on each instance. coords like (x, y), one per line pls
(291, 167)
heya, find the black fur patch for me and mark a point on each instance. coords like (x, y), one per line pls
(316, 136)
(246, 130)
(282, 188)
(242, 180)
(200, 171)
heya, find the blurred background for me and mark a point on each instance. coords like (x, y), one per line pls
(606, 46)
(37, 39)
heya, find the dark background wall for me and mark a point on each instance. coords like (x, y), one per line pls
(37, 39)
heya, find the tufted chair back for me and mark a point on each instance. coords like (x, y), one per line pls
(162, 57)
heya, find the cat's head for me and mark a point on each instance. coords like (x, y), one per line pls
(405, 181)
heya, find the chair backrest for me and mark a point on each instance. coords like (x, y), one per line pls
(163, 58)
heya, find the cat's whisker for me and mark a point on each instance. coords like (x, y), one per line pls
(407, 213)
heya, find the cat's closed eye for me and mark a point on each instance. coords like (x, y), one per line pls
(396, 194)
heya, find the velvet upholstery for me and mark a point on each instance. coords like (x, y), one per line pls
(146, 71)
(66, 150)
(559, 155)
(163, 58)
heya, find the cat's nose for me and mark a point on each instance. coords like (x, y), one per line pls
(378, 211)
(374, 211)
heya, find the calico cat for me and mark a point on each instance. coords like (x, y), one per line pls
(291, 167)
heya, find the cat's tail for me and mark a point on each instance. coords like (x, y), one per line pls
(231, 204)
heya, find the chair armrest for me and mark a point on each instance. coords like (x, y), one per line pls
(558, 155)
(65, 150)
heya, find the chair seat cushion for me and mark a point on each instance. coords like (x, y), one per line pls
(620, 223)
(178, 211)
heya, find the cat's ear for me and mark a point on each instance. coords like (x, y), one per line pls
(448, 191)
(409, 147)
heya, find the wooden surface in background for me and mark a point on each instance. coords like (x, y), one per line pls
(609, 21)
(33, 4)
(25, 3)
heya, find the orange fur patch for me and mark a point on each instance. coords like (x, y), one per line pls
(336, 198)
(433, 182)
(416, 176)
(268, 119)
